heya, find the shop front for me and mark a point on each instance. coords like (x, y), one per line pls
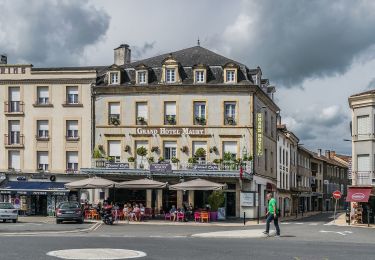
(362, 200)
(34, 198)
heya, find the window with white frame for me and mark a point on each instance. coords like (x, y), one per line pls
(229, 113)
(200, 151)
(230, 75)
(14, 136)
(114, 113)
(363, 126)
(199, 76)
(114, 78)
(170, 113)
(230, 148)
(142, 115)
(114, 150)
(170, 75)
(71, 161)
(141, 161)
(72, 129)
(42, 158)
(14, 160)
(14, 104)
(72, 95)
(43, 95)
(142, 77)
(170, 150)
(43, 129)
(200, 113)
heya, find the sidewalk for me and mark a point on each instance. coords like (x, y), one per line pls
(341, 221)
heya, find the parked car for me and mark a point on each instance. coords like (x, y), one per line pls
(69, 211)
(7, 211)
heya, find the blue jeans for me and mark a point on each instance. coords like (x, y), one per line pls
(275, 222)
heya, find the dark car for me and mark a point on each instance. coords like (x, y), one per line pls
(69, 211)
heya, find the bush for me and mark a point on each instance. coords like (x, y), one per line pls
(216, 200)
(217, 161)
(200, 152)
(227, 156)
(192, 160)
(175, 160)
(161, 159)
(150, 159)
(97, 154)
(131, 159)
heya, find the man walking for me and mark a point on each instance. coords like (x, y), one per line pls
(272, 215)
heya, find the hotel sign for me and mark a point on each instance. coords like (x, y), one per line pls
(259, 135)
(170, 131)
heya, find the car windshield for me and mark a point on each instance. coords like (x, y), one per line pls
(6, 206)
(69, 205)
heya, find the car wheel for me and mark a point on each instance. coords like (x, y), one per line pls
(14, 220)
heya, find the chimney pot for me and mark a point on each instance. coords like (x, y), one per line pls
(319, 152)
(327, 152)
(3, 59)
(122, 55)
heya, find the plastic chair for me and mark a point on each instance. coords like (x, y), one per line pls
(180, 216)
(167, 216)
(87, 214)
(94, 215)
(197, 216)
(205, 216)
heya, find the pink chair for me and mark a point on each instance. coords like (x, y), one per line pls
(180, 216)
(197, 216)
(167, 216)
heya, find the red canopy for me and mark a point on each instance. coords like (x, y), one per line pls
(358, 194)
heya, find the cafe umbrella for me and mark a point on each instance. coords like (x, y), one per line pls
(141, 184)
(197, 184)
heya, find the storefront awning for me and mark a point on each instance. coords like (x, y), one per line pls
(358, 194)
(33, 188)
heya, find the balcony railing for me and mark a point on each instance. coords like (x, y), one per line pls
(13, 139)
(363, 177)
(16, 107)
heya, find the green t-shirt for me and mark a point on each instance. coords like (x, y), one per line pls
(271, 204)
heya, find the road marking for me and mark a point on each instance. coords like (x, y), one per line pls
(285, 223)
(96, 254)
(313, 224)
(325, 231)
(298, 223)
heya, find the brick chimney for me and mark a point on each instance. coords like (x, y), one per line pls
(3, 59)
(332, 154)
(319, 152)
(328, 153)
(122, 55)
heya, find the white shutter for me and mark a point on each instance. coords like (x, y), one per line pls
(363, 163)
(72, 157)
(114, 108)
(72, 124)
(230, 147)
(43, 125)
(14, 125)
(14, 160)
(170, 144)
(72, 90)
(199, 144)
(14, 94)
(43, 92)
(363, 125)
(114, 148)
(142, 110)
(43, 157)
(141, 144)
(170, 108)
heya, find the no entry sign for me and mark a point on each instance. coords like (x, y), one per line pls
(336, 194)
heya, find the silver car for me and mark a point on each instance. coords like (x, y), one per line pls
(7, 211)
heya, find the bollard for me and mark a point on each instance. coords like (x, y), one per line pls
(368, 217)
(244, 218)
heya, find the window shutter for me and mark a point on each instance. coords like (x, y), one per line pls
(14, 125)
(363, 125)
(230, 147)
(170, 144)
(142, 110)
(14, 94)
(170, 108)
(72, 90)
(43, 157)
(72, 157)
(114, 108)
(198, 144)
(141, 144)
(72, 125)
(363, 162)
(43, 92)
(14, 160)
(114, 148)
(42, 125)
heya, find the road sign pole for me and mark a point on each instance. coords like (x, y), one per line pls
(334, 214)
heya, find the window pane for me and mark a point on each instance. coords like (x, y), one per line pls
(114, 148)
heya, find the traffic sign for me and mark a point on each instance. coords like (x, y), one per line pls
(336, 194)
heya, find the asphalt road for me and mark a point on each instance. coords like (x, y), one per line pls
(307, 239)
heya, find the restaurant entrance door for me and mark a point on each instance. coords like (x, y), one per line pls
(38, 205)
(231, 204)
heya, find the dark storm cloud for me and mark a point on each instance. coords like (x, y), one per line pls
(50, 32)
(295, 40)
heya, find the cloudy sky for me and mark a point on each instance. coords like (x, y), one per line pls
(317, 53)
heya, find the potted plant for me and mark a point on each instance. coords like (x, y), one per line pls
(213, 149)
(216, 200)
(154, 149)
(200, 120)
(150, 159)
(100, 147)
(230, 120)
(161, 159)
(192, 160)
(141, 120)
(97, 154)
(127, 148)
(141, 151)
(185, 149)
(175, 160)
(131, 159)
(200, 153)
(171, 119)
(115, 121)
(217, 161)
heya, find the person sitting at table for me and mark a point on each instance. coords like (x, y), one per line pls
(173, 212)
(142, 211)
(125, 210)
(189, 212)
(130, 212)
(136, 213)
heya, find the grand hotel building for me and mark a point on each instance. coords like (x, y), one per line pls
(191, 109)
(173, 117)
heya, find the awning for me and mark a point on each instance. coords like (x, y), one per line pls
(33, 188)
(358, 194)
(141, 184)
(197, 184)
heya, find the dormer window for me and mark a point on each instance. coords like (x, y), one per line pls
(141, 77)
(114, 78)
(199, 76)
(231, 76)
(170, 75)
